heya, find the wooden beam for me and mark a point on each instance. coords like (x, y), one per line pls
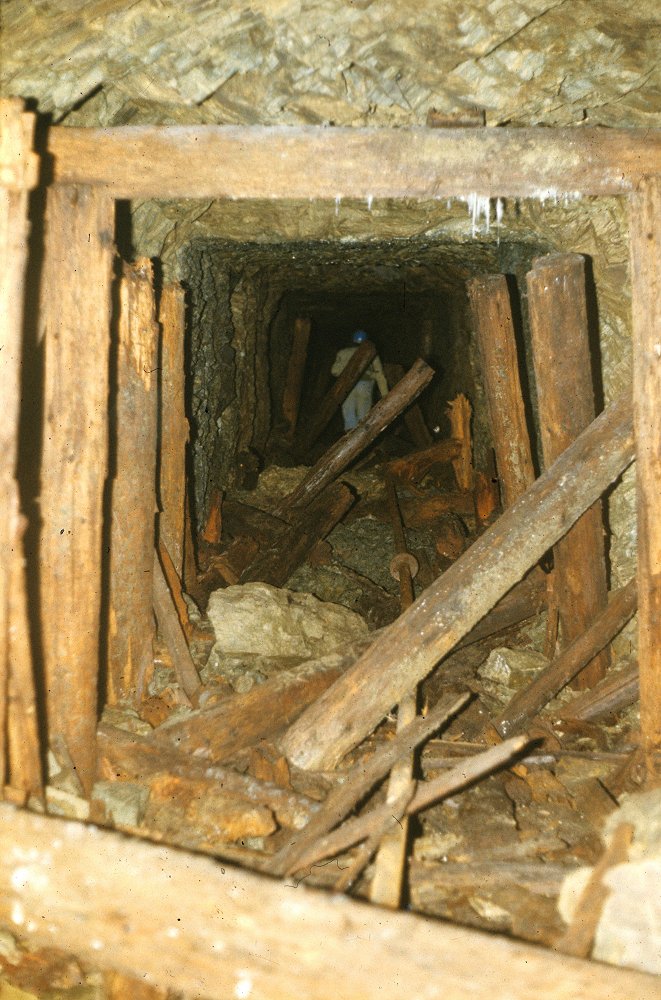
(446, 611)
(565, 395)
(298, 357)
(196, 926)
(645, 229)
(19, 168)
(336, 395)
(492, 316)
(79, 254)
(173, 424)
(133, 493)
(149, 161)
(172, 632)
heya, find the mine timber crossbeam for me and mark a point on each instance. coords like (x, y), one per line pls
(272, 162)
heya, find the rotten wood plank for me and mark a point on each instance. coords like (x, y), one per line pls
(459, 413)
(244, 719)
(528, 702)
(645, 229)
(453, 604)
(298, 357)
(276, 563)
(210, 161)
(173, 635)
(492, 316)
(336, 395)
(19, 167)
(122, 905)
(341, 454)
(173, 423)
(75, 321)
(565, 395)
(608, 696)
(133, 490)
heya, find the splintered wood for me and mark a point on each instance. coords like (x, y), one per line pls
(173, 425)
(75, 323)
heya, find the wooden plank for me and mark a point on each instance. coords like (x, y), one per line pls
(448, 609)
(341, 454)
(492, 316)
(210, 161)
(225, 932)
(645, 229)
(546, 685)
(298, 357)
(133, 491)
(173, 423)
(173, 635)
(563, 374)
(76, 310)
(18, 175)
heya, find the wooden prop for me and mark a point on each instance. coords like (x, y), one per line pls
(492, 317)
(341, 454)
(174, 586)
(388, 881)
(563, 371)
(133, 495)
(123, 905)
(428, 793)
(419, 513)
(170, 628)
(459, 412)
(454, 603)
(336, 395)
(294, 381)
(528, 702)
(78, 266)
(292, 162)
(291, 546)
(410, 469)
(128, 756)
(213, 529)
(19, 168)
(360, 780)
(173, 423)
(244, 719)
(605, 698)
(413, 418)
(645, 231)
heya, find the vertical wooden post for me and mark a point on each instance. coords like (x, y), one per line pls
(76, 319)
(645, 230)
(294, 383)
(130, 649)
(492, 316)
(18, 175)
(460, 412)
(563, 371)
(173, 424)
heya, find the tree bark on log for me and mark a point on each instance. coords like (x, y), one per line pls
(453, 604)
(336, 395)
(173, 424)
(528, 702)
(492, 316)
(340, 455)
(133, 490)
(76, 311)
(563, 373)
(123, 905)
(19, 168)
(645, 213)
(291, 398)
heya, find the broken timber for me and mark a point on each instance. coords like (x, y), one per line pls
(124, 909)
(173, 424)
(171, 629)
(133, 492)
(450, 607)
(645, 226)
(336, 395)
(291, 162)
(563, 375)
(75, 321)
(341, 454)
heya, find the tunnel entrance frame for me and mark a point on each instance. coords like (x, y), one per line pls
(202, 162)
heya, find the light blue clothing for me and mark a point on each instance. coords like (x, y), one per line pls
(358, 403)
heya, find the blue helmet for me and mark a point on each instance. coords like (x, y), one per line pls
(359, 337)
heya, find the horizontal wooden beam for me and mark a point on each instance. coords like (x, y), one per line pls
(226, 161)
(196, 926)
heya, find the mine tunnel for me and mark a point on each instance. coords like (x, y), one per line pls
(392, 660)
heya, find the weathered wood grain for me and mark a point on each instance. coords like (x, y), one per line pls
(173, 423)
